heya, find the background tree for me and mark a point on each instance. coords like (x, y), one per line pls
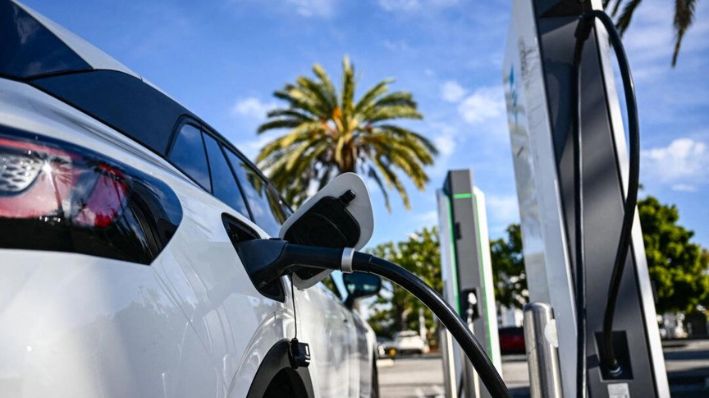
(395, 309)
(683, 18)
(509, 275)
(333, 133)
(679, 269)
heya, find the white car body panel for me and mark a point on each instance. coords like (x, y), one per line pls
(58, 342)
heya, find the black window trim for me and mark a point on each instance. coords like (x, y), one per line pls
(115, 124)
(183, 122)
(183, 116)
(228, 145)
(231, 170)
(253, 169)
(269, 185)
(206, 156)
(224, 145)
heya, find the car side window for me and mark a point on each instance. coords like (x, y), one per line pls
(335, 284)
(279, 209)
(188, 155)
(266, 210)
(224, 185)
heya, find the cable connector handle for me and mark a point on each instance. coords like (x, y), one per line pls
(299, 354)
(266, 260)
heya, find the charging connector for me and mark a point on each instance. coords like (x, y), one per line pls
(266, 260)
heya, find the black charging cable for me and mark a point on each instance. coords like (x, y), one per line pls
(607, 352)
(295, 312)
(471, 346)
(266, 260)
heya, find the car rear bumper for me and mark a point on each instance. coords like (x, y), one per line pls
(83, 326)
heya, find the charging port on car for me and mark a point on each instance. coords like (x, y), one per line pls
(240, 232)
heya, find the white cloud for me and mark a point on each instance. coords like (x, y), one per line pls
(501, 212)
(314, 8)
(428, 218)
(684, 188)
(251, 148)
(302, 8)
(684, 163)
(445, 144)
(399, 5)
(502, 207)
(482, 105)
(452, 91)
(252, 107)
(398, 46)
(650, 38)
(414, 5)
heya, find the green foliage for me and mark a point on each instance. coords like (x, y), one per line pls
(331, 133)
(396, 309)
(509, 274)
(678, 268)
(682, 20)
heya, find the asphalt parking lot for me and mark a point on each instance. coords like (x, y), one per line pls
(687, 365)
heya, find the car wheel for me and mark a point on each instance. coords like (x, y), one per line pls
(375, 381)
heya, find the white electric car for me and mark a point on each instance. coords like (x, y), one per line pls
(119, 212)
(409, 342)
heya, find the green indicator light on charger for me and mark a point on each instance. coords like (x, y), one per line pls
(463, 196)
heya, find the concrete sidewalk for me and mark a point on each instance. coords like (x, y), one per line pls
(687, 363)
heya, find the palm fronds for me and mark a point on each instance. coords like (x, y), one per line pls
(683, 18)
(331, 133)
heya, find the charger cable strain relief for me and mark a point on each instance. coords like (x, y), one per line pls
(347, 256)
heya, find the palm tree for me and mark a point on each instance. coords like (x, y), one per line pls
(331, 133)
(683, 18)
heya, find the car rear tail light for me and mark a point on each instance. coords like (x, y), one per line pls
(58, 196)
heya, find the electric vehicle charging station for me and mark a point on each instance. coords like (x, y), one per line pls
(467, 279)
(537, 75)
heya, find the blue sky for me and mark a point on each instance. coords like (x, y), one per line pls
(224, 58)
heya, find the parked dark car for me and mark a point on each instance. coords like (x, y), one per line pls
(511, 340)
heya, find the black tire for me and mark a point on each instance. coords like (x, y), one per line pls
(375, 380)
